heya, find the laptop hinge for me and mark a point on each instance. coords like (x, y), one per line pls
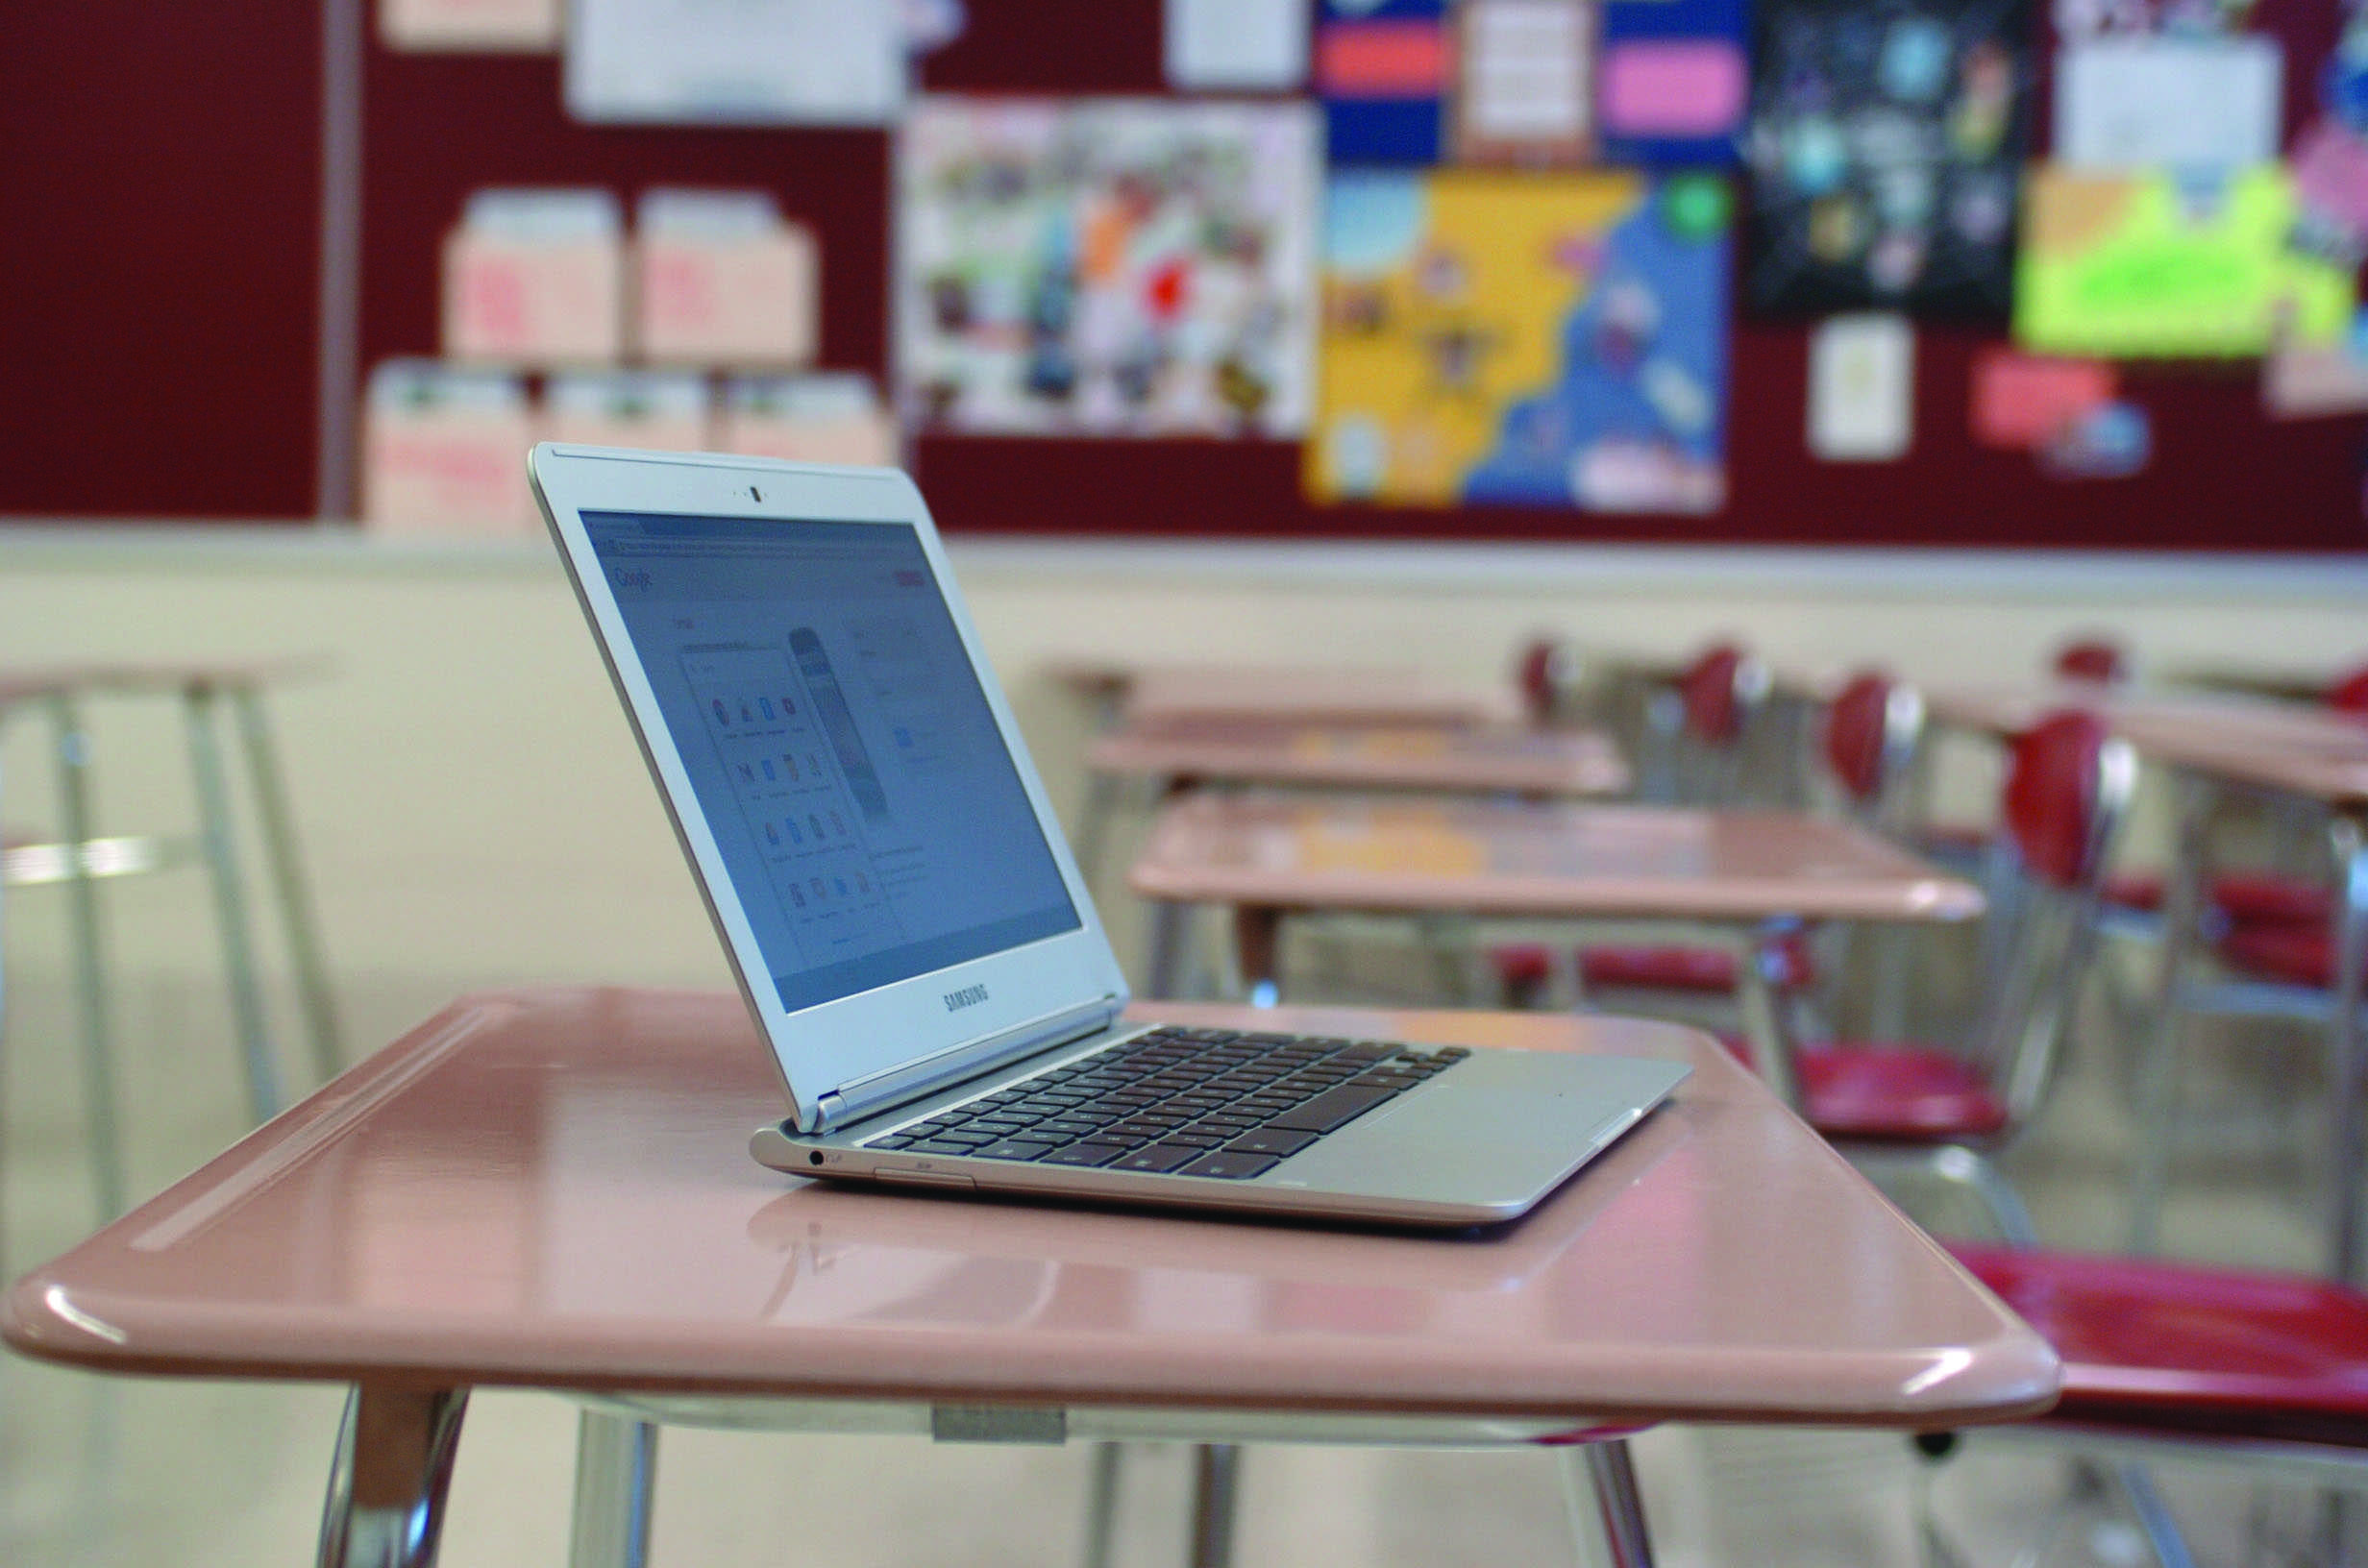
(862, 1097)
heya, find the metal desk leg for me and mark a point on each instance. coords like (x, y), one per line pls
(386, 1487)
(1217, 1469)
(296, 911)
(1606, 1510)
(215, 835)
(1764, 1024)
(1101, 1504)
(2183, 912)
(2351, 1071)
(1171, 937)
(1257, 945)
(616, 1472)
(90, 957)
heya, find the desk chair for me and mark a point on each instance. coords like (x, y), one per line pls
(79, 859)
(1903, 1106)
(2164, 1360)
(2273, 935)
(2098, 659)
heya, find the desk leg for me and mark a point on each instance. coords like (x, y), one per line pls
(1763, 1010)
(1101, 1504)
(89, 958)
(616, 1472)
(2351, 1071)
(2183, 913)
(1217, 1468)
(1257, 946)
(1172, 937)
(296, 912)
(386, 1487)
(1599, 1490)
(229, 900)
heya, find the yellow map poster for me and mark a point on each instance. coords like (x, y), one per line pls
(1523, 339)
(2143, 266)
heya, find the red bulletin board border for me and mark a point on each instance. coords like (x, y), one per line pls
(163, 186)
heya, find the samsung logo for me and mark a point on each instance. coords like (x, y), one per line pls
(967, 996)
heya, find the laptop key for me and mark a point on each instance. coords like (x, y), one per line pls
(1157, 1156)
(1083, 1154)
(936, 1145)
(1232, 1168)
(1274, 1141)
(1015, 1148)
(1332, 1108)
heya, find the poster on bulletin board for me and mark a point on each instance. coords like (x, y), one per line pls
(1105, 267)
(1521, 339)
(1886, 142)
(2149, 265)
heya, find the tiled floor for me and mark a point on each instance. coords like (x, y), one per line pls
(104, 1472)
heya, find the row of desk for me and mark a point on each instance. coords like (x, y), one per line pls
(549, 1189)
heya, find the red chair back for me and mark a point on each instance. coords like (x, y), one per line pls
(2092, 658)
(1711, 692)
(1533, 675)
(1857, 735)
(2051, 805)
(2349, 694)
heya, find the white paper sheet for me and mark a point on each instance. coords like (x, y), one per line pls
(735, 61)
(1236, 45)
(2178, 102)
(1861, 389)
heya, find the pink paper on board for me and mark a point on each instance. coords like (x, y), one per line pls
(2022, 400)
(1674, 87)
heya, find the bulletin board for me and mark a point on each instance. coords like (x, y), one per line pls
(160, 273)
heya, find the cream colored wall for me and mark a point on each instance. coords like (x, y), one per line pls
(475, 812)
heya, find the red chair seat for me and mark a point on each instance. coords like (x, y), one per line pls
(1689, 969)
(1522, 967)
(1896, 1094)
(2243, 896)
(2299, 955)
(2172, 1346)
(1526, 965)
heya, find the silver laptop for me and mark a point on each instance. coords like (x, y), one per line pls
(907, 925)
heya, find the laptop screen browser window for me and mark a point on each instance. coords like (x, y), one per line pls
(839, 745)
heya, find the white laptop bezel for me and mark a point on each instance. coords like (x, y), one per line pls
(865, 1036)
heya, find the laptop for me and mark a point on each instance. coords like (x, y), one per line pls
(904, 918)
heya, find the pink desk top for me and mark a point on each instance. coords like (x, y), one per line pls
(2308, 750)
(1480, 759)
(551, 1189)
(26, 682)
(1314, 695)
(1536, 860)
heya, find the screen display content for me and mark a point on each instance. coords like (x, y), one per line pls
(866, 807)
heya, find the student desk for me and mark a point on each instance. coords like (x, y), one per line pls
(550, 1189)
(1747, 876)
(1476, 760)
(1316, 696)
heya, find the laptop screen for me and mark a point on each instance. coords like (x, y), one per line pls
(849, 770)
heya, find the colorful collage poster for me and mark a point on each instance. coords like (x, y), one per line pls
(1886, 142)
(2143, 265)
(1523, 339)
(1107, 267)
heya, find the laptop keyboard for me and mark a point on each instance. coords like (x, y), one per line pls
(1197, 1102)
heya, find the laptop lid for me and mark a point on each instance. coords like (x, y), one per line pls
(873, 841)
